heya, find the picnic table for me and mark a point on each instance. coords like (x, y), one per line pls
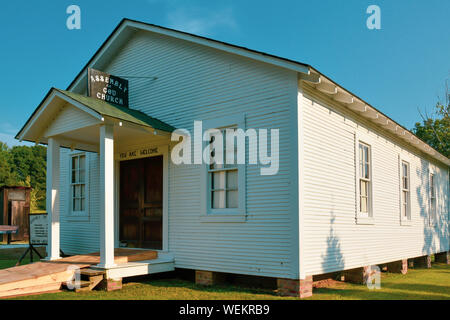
(8, 230)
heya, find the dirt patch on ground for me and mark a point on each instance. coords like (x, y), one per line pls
(328, 283)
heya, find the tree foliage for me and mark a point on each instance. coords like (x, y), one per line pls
(25, 166)
(435, 129)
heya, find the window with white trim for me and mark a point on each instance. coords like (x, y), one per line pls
(432, 198)
(405, 191)
(78, 184)
(364, 180)
(224, 186)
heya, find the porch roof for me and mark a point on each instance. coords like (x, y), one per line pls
(121, 113)
(47, 109)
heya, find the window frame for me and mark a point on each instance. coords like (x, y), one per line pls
(404, 219)
(82, 215)
(432, 216)
(366, 218)
(226, 188)
(208, 214)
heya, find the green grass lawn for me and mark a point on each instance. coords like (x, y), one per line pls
(417, 284)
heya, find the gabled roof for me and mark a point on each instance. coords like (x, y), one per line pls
(99, 109)
(127, 27)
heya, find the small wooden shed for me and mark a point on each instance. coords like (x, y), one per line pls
(14, 210)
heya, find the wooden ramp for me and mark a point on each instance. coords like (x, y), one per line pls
(49, 276)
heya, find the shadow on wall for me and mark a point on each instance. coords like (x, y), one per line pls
(435, 230)
(333, 259)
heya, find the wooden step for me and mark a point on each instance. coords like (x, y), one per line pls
(81, 283)
(92, 272)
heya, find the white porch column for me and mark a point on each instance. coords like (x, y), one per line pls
(53, 199)
(106, 196)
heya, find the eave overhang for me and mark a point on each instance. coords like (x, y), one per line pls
(349, 100)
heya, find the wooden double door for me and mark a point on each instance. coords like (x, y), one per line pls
(141, 202)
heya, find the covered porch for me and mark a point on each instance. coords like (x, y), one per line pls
(69, 120)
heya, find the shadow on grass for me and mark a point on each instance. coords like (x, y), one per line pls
(219, 288)
(388, 293)
(432, 288)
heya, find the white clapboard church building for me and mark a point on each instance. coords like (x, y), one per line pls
(352, 188)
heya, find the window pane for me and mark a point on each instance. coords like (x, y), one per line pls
(364, 161)
(74, 176)
(232, 199)
(232, 180)
(363, 188)
(77, 205)
(77, 191)
(82, 175)
(82, 191)
(366, 171)
(82, 162)
(366, 154)
(361, 169)
(405, 203)
(432, 189)
(363, 204)
(218, 180)
(74, 163)
(364, 195)
(82, 204)
(361, 153)
(218, 199)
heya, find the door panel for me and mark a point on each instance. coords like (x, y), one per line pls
(141, 202)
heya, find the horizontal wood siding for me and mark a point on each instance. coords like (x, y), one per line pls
(199, 83)
(333, 241)
(80, 236)
(68, 119)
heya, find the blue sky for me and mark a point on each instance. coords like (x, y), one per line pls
(397, 69)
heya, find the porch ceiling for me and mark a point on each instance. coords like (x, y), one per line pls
(87, 138)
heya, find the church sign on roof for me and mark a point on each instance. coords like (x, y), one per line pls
(107, 87)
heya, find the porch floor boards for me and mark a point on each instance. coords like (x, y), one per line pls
(46, 276)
